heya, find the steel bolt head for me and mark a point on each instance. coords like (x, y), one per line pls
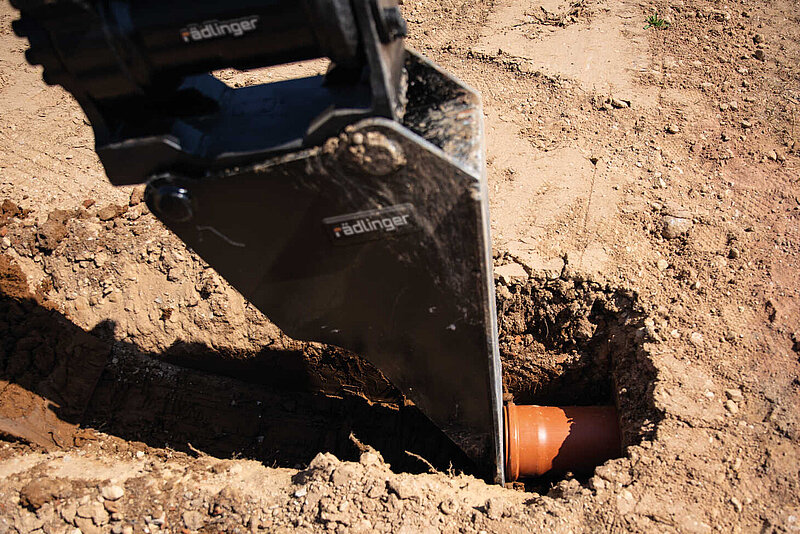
(170, 202)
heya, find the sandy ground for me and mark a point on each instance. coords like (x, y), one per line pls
(644, 180)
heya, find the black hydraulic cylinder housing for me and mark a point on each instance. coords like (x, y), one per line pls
(122, 48)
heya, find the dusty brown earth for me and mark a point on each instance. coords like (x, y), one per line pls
(645, 205)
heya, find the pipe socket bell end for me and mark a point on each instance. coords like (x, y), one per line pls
(547, 439)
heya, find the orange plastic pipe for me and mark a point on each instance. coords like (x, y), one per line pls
(545, 439)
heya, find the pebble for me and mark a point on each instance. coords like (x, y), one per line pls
(495, 508)
(597, 483)
(510, 272)
(772, 155)
(112, 492)
(759, 54)
(662, 264)
(733, 105)
(731, 406)
(302, 492)
(107, 213)
(674, 227)
(193, 519)
(746, 124)
(758, 38)
(619, 104)
(725, 136)
(672, 129)
(737, 504)
(734, 394)
(696, 338)
(734, 253)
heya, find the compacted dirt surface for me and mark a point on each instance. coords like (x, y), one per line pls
(645, 202)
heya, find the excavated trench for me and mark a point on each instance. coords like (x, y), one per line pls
(563, 342)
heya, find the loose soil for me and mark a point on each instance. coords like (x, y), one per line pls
(644, 205)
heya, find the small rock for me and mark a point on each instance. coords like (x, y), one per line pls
(672, 129)
(759, 54)
(696, 338)
(376, 491)
(402, 490)
(159, 519)
(731, 406)
(734, 253)
(69, 511)
(100, 259)
(86, 526)
(734, 394)
(111, 507)
(723, 107)
(302, 492)
(662, 264)
(510, 272)
(193, 520)
(88, 203)
(94, 511)
(53, 230)
(27, 522)
(619, 104)
(370, 457)
(758, 38)
(107, 213)
(495, 508)
(137, 195)
(725, 137)
(674, 227)
(737, 504)
(733, 105)
(746, 124)
(112, 492)
(597, 483)
(345, 473)
(448, 507)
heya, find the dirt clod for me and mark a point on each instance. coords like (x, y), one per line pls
(53, 230)
(38, 492)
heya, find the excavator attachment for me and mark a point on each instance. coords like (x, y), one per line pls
(351, 208)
